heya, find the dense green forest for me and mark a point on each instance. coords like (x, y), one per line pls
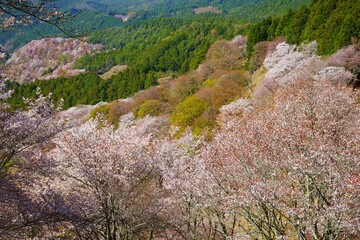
(93, 16)
(332, 23)
(80, 89)
(85, 89)
(173, 47)
(250, 10)
(164, 44)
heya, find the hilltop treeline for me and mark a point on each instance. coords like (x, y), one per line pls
(332, 23)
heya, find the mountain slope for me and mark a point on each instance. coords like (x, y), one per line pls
(333, 24)
(46, 58)
(100, 14)
(246, 8)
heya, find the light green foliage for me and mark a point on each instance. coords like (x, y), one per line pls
(187, 111)
(62, 59)
(209, 83)
(202, 123)
(65, 58)
(4, 168)
(100, 110)
(150, 107)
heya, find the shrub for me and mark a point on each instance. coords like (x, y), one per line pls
(228, 88)
(151, 108)
(187, 111)
(184, 87)
(261, 49)
(117, 109)
(223, 49)
(102, 110)
(153, 93)
(209, 83)
(202, 123)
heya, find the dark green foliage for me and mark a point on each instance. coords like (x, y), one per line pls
(295, 25)
(174, 47)
(256, 10)
(332, 23)
(83, 89)
(166, 44)
(259, 32)
(92, 16)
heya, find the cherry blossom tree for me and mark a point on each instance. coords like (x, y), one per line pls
(114, 173)
(193, 197)
(183, 177)
(20, 130)
(286, 65)
(290, 63)
(292, 170)
(26, 205)
(348, 58)
(335, 74)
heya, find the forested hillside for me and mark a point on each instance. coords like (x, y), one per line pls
(47, 58)
(83, 24)
(172, 46)
(145, 9)
(332, 23)
(207, 129)
(213, 154)
(97, 15)
(155, 49)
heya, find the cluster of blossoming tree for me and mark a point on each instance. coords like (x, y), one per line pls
(281, 168)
